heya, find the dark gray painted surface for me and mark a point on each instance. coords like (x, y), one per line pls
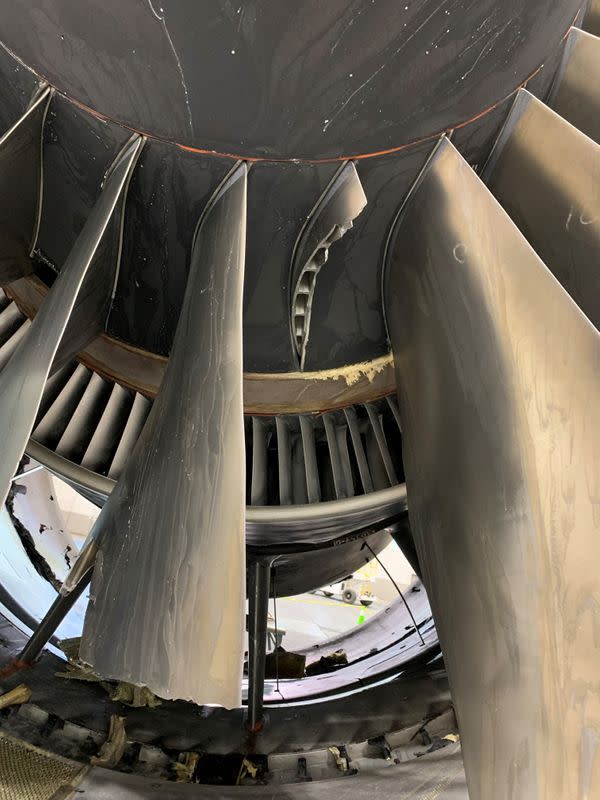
(280, 198)
(20, 187)
(168, 193)
(78, 151)
(308, 80)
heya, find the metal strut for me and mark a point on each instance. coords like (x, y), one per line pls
(259, 573)
(54, 616)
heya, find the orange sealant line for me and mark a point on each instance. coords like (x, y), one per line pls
(12, 667)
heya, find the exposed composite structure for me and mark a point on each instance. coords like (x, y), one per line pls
(278, 285)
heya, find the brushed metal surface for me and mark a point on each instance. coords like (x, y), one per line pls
(20, 185)
(575, 95)
(546, 175)
(499, 375)
(23, 379)
(167, 602)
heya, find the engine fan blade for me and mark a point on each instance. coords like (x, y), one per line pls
(73, 312)
(167, 603)
(498, 374)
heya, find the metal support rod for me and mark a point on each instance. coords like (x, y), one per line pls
(54, 616)
(259, 585)
(27, 472)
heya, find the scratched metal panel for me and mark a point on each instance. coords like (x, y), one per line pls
(154, 65)
(296, 574)
(304, 79)
(499, 375)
